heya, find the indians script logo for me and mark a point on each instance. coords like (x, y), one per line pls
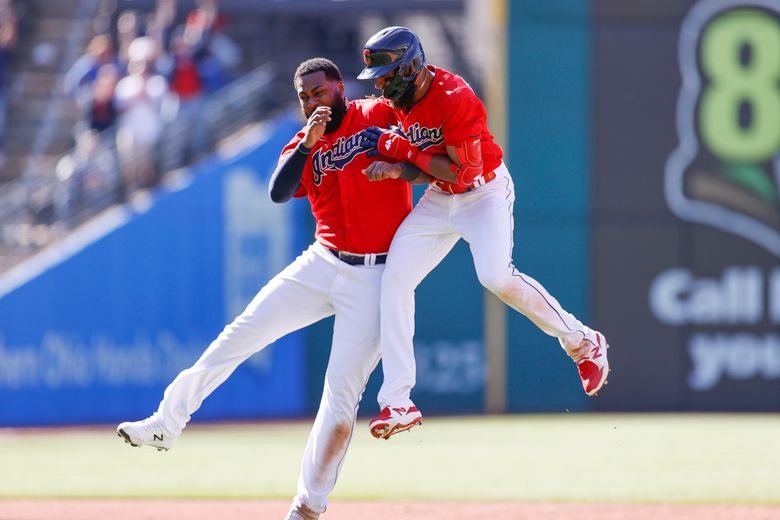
(335, 158)
(423, 137)
(725, 171)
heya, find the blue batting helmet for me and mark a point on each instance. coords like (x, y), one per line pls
(393, 48)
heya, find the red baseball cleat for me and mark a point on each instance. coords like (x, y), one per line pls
(394, 420)
(592, 364)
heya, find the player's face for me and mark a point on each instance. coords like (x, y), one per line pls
(406, 100)
(383, 81)
(316, 90)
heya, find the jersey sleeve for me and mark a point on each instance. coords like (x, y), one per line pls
(465, 119)
(290, 149)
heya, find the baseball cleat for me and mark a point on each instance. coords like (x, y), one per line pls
(301, 513)
(394, 420)
(592, 363)
(148, 432)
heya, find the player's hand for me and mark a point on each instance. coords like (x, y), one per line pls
(381, 170)
(388, 142)
(315, 126)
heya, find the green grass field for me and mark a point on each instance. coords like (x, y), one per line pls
(705, 459)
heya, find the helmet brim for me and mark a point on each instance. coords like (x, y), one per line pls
(376, 72)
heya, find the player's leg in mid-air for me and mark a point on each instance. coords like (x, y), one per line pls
(419, 245)
(296, 297)
(486, 221)
(354, 355)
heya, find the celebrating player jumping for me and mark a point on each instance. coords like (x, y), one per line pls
(339, 274)
(443, 131)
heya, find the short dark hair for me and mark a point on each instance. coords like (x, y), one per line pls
(318, 65)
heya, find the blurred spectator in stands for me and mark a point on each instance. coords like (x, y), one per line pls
(217, 55)
(187, 85)
(139, 98)
(128, 27)
(157, 24)
(184, 76)
(88, 179)
(102, 23)
(82, 74)
(160, 22)
(7, 43)
(102, 112)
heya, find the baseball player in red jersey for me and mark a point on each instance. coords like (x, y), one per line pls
(444, 133)
(339, 274)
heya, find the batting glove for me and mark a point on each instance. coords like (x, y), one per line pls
(390, 143)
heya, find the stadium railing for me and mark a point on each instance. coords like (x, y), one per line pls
(42, 207)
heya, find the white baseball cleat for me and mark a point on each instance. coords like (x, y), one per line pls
(148, 432)
(392, 420)
(592, 363)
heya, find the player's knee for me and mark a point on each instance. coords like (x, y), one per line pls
(492, 280)
(503, 285)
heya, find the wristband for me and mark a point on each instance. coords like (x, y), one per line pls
(409, 172)
(302, 149)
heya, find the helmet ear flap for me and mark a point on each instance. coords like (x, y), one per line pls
(412, 68)
(415, 65)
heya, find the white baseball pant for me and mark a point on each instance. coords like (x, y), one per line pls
(484, 217)
(314, 286)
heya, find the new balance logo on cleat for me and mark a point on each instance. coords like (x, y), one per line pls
(591, 361)
(148, 432)
(594, 368)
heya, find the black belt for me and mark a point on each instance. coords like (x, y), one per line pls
(353, 259)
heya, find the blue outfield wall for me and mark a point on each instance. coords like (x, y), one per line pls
(548, 153)
(97, 337)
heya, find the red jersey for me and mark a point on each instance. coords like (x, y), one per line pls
(352, 213)
(186, 78)
(448, 114)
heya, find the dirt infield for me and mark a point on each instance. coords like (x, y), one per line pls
(344, 510)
